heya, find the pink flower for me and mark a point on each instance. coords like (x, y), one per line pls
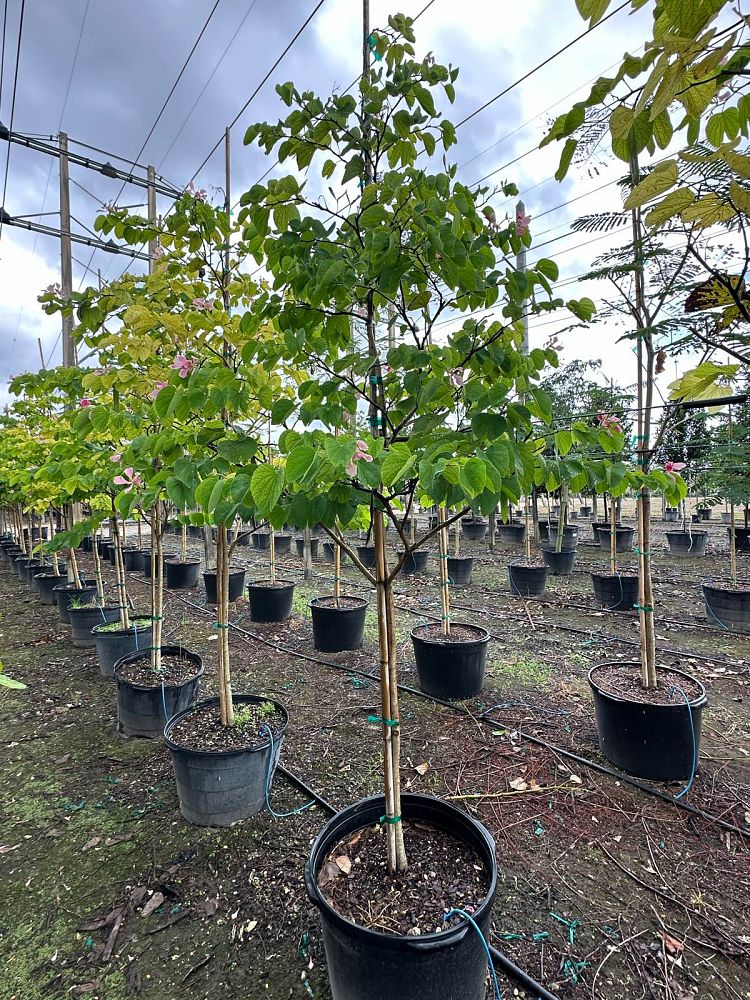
(85, 402)
(197, 193)
(203, 305)
(361, 454)
(522, 223)
(183, 365)
(158, 250)
(115, 457)
(674, 466)
(609, 423)
(457, 377)
(129, 479)
(158, 386)
(52, 290)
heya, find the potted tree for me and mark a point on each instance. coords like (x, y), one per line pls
(397, 238)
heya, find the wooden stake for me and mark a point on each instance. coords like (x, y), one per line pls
(444, 577)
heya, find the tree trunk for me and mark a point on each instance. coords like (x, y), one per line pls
(122, 595)
(97, 567)
(226, 704)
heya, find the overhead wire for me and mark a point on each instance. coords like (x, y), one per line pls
(13, 108)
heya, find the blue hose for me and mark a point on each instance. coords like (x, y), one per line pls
(475, 925)
(687, 787)
(269, 776)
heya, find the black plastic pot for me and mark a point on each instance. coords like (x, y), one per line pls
(366, 555)
(101, 542)
(658, 742)
(448, 668)
(726, 517)
(705, 513)
(105, 548)
(671, 514)
(728, 608)
(687, 543)
(586, 511)
(146, 562)
(270, 602)
(82, 620)
(19, 566)
(327, 552)
(416, 562)
(459, 570)
(336, 629)
(111, 554)
(236, 583)
(365, 964)
(141, 710)
(133, 559)
(741, 538)
(527, 581)
(45, 584)
(114, 645)
(569, 540)
(261, 540)
(183, 575)
(559, 563)
(66, 592)
(623, 539)
(600, 526)
(86, 545)
(32, 567)
(616, 593)
(283, 544)
(473, 531)
(300, 546)
(222, 788)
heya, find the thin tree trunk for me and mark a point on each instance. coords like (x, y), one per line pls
(307, 550)
(612, 535)
(444, 577)
(97, 567)
(122, 595)
(222, 623)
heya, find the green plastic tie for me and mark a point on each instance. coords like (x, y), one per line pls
(638, 551)
(221, 625)
(643, 607)
(390, 819)
(375, 380)
(375, 719)
(157, 618)
(373, 43)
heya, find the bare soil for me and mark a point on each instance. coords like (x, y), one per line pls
(459, 633)
(202, 728)
(444, 872)
(175, 670)
(625, 681)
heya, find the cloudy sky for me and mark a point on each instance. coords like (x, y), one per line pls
(101, 70)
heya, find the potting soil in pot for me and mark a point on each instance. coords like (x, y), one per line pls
(174, 671)
(459, 633)
(444, 872)
(343, 602)
(617, 680)
(202, 728)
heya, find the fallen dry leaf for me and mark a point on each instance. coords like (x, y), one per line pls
(328, 873)
(519, 784)
(575, 779)
(7, 848)
(117, 839)
(344, 864)
(672, 945)
(422, 768)
(153, 904)
(91, 843)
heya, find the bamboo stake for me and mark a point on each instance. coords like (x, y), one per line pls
(444, 577)
(97, 567)
(55, 562)
(528, 533)
(222, 618)
(220, 647)
(612, 535)
(140, 534)
(272, 552)
(457, 539)
(337, 569)
(122, 597)
(154, 603)
(385, 694)
(183, 539)
(732, 539)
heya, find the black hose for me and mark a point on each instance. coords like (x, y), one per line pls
(299, 783)
(504, 964)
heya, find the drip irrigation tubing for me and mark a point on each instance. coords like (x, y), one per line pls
(487, 720)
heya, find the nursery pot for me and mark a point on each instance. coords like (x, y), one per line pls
(559, 563)
(527, 581)
(141, 710)
(569, 539)
(30, 570)
(728, 608)
(366, 964)
(111, 554)
(300, 546)
(45, 584)
(670, 514)
(261, 540)
(183, 575)
(416, 562)
(67, 592)
(82, 620)
(133, 559)
(19, 565)
(623, 539)
(615, 593)
(219, 788)
(328, 551)
(586, 511)
(283, 544)
(705, 513)
(114, 645)
(338, 628)
(270, 602)
(741, 538)
(459, 570)
(236, 583)
(687, 543)
(473, 531)
(447, 666)
(658, 742)
(366, 555)
(726, 517)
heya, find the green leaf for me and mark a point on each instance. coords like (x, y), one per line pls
(397, 464)
(10, 682)
(670, 205)
(563, 441)
(266, 486)
(566, 158)
(281, 410)
(661, 179)
(472, 477)
(299, 461)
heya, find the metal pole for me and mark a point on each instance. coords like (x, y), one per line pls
(66, 254)
(151, 199)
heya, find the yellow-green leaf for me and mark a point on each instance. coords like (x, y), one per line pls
(661, 179)
(671, 204)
